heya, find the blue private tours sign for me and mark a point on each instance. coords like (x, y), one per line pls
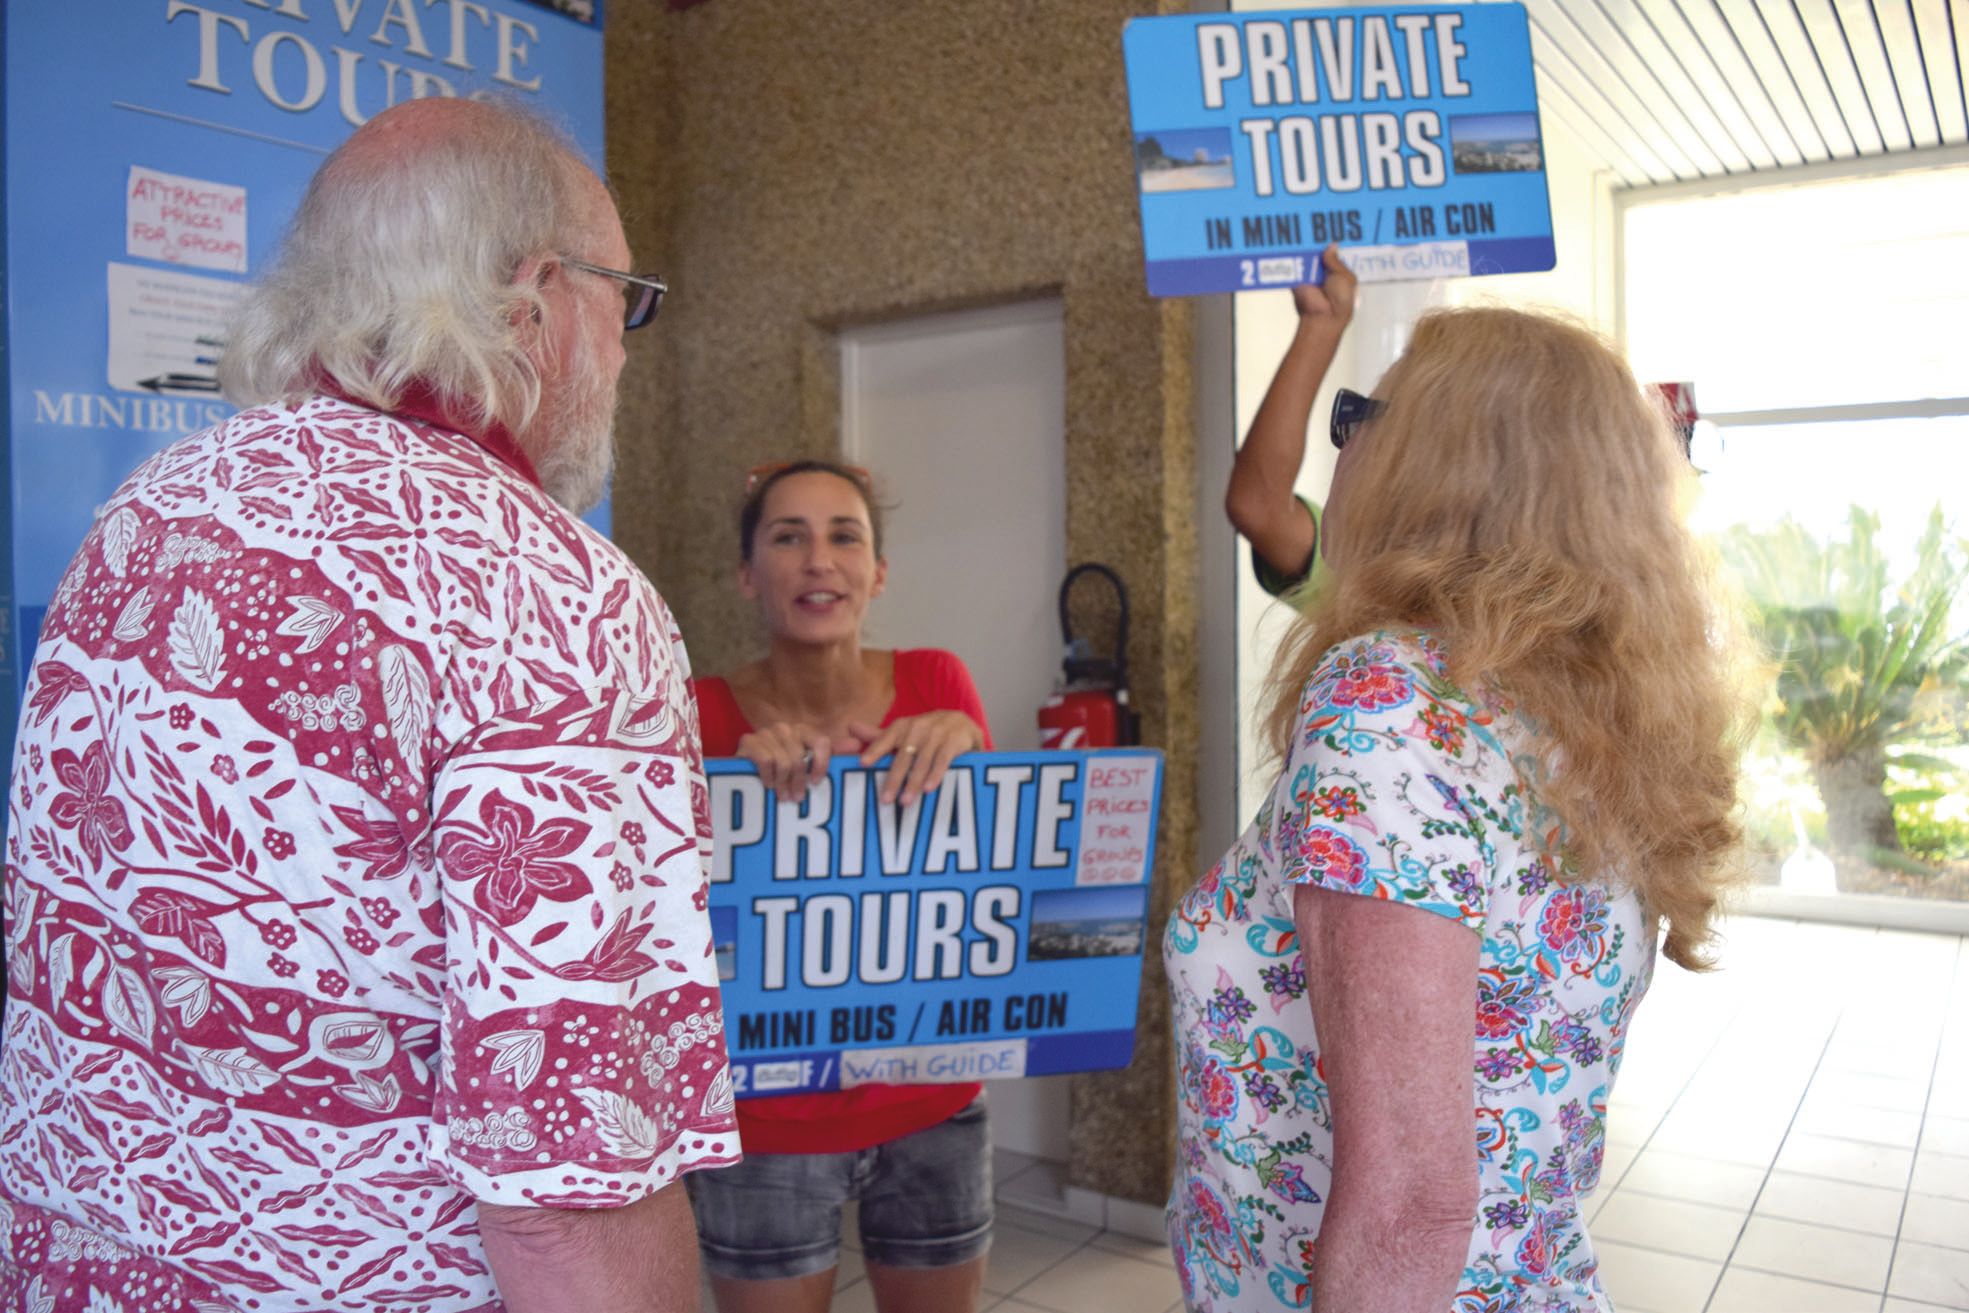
(992, 929)
(1408, 136)
(154, 150)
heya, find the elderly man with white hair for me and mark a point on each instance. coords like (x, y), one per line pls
(355, 881)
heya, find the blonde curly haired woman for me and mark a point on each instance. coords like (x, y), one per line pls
(1509, 737)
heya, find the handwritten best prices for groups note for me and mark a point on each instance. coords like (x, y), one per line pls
(1119, 826)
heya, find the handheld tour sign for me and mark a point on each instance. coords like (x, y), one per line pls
(991, 929)
(1409, 136)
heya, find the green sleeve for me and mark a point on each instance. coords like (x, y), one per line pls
(1298, 588)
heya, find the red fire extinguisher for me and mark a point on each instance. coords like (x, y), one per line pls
(1090, 707)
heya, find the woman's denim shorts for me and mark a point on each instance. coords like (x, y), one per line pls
(925, 1202)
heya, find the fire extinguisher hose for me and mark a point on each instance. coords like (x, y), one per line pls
(1111, 672)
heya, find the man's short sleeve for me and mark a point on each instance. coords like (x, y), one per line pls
(583, 1060)
(1384, 792)
(1297, 588)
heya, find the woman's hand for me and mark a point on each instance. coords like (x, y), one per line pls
(923, 747)
(789, 757)
(1328, 304)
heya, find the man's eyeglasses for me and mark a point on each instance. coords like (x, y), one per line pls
(1350, 411)
(643, 294)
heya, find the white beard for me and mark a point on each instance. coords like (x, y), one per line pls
(572, 437)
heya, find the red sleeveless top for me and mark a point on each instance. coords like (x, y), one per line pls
(927, 679)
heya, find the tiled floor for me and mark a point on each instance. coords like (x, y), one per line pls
(1053, 1265)
(1790, 1134)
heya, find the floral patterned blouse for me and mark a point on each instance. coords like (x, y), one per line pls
(1400, 786)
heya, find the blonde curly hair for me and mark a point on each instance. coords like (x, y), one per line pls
(1519, 497)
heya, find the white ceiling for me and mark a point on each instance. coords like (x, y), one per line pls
(1677, 90)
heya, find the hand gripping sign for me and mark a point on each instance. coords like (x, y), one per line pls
(991, 929)
(1409, 136)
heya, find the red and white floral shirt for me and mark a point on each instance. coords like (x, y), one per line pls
(355, 872)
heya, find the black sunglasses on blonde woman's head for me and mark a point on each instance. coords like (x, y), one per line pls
(1350, 411)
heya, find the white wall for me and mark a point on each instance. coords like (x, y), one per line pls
(962, 418)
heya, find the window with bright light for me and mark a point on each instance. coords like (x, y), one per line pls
(1823, 327)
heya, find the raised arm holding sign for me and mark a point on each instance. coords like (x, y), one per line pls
(1283, 529)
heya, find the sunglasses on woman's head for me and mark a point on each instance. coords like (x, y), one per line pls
(759, 474)
(1350, 411)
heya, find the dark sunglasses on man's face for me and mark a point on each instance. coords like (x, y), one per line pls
(1350, 411)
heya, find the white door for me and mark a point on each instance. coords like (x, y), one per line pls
(961, 418)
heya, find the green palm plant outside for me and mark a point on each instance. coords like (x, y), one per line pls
(1868, 670)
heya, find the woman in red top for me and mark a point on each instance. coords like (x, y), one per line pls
(917, 1157)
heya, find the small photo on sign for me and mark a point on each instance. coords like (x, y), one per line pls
(1185, 159)
(1496, 143)
(1069, 923)
(724, 941)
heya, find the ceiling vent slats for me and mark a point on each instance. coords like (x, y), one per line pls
(1553, 98)
(1864, 48)
(1630, 20)
(1637, 155)
(1678, 90)
(1613, 70)
(1942, 53)
(1903, 46)
(1713, 62)
(1815, 53)
(1773, 79)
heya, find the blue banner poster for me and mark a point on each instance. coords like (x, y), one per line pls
(154, 150)
(993, 929)
(1408, 136)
